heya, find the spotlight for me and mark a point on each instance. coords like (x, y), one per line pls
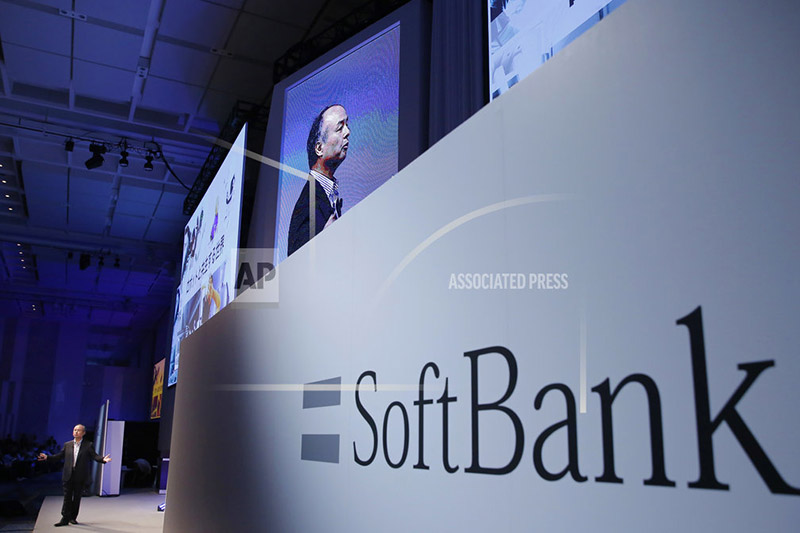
(69, 145)
(97, 156)
(148, 166)
(123, 161)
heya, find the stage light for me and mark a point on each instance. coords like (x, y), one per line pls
(97, 156)
(148, 166)
(123, 161)
(69, 145)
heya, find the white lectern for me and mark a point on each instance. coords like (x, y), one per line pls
(112, 472)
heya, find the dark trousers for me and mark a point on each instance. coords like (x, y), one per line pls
(72, 499)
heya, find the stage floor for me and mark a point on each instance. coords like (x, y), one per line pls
(131, 512)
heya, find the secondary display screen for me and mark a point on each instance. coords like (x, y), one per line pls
(523, 34)
(210, 252)
(158, 389)
(363, 86)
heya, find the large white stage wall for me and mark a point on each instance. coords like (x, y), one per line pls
(652, 170)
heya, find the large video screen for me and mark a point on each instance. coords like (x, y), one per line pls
(357, 97)
(210, 252)
(524, 34)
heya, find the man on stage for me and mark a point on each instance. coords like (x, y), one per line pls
(76, 454)
(319, 203)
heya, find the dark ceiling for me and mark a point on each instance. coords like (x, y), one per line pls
(154, 73)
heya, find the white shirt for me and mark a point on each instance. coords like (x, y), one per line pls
(76, 448)
(331, 186)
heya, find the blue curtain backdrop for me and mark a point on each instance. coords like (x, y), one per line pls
(457, 64)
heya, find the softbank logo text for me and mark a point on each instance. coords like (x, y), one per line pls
(366, 451)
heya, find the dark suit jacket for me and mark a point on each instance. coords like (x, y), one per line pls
(298, 227)
(80, 472)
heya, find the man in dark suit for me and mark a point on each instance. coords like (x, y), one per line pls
(76, 455)
(327, 144)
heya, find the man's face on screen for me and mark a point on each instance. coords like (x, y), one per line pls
(335, 137)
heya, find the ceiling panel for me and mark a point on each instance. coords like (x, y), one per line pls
(166, 231)
(170, 208)
(172, 199)
(35, 28)
(34, 67)
(111, 279)
(245, 79)
(45, 151)
(128, 226)
(137, 209)
(82, 280)
(99, 81)
(298, 13)
(131, 14)
(235, 4)
(180, 63)
(100, 316)
(46, 194)
(137, 277)
(136, 290)
(171, 95)
(89, 189)
(120, 319)
(51, 273)
(106, 46)
(197, 22)
(131, 190)
(87, 220)
(59, 4)
(48, 217)
(186, 175)
(262, 39)
(216, 104)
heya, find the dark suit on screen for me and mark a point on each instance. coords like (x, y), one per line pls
(300, 222)
(74, 478)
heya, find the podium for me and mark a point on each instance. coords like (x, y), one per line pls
(111, 473)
